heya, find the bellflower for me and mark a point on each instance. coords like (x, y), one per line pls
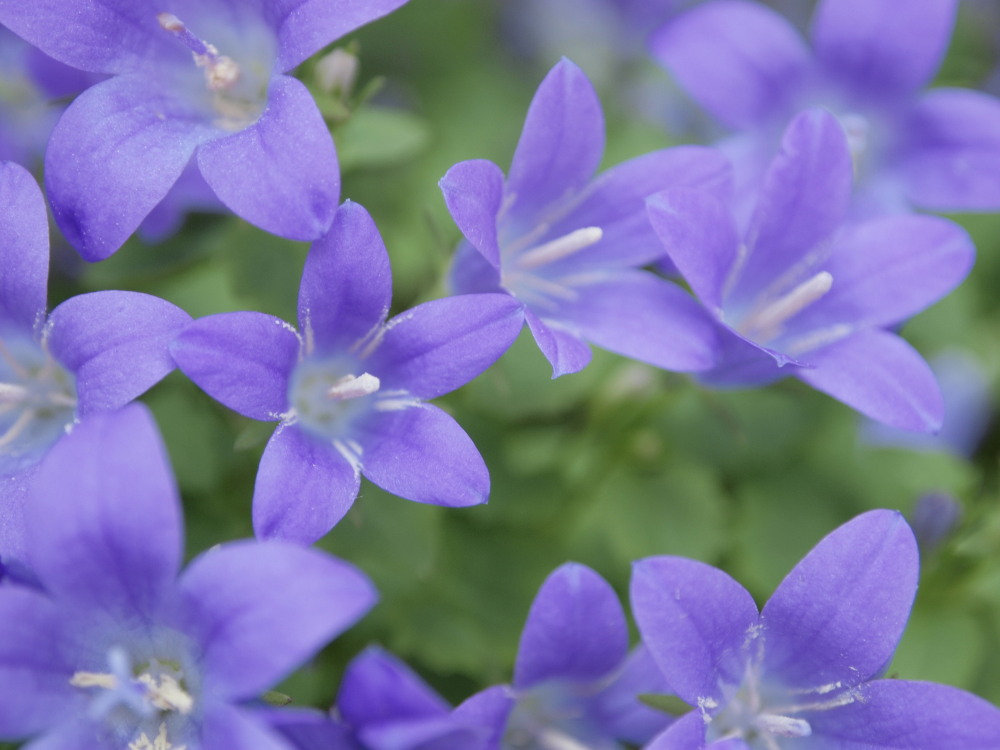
(348, 388)
(93, 353)
(202, 78)
(751, 70)
(568, 246)
(804, 295)
(803, 672)
(118, 652)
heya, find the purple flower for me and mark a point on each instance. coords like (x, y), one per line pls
(750, 69)
(116, 651)
(569, 247)
(348, 388)
(95, 352)
(802, 294)
(190, 77)
(803, 671)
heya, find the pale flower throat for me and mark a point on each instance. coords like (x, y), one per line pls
(221, 72)
(37, 397)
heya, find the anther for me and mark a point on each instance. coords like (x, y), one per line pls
(221, 72)
(783, 726)
(351, 386)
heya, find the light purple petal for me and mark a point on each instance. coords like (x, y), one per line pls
(242, 359)
(443, 344)
(303, 488)
(881, 376)
(260, 609)
(874, 51)
(564, 349)
(561, 143)
(235, 729)
(695, 620)
(378, 687)
(281, 173)
(24, 248)
(114, 155)
(575, 631)
(346, 283)
(740, 61)
(838, 615)
(115, 343)
(420, 453)
(117, 545)
(687, 733)
(473, 192)
(489, 709)
(953, 160)
(639, 315)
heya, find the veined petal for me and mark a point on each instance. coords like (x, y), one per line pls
(303, 488)
(117, 546)
(422, 454)
(881, 376)
(473, 192)
(114, 155)
(281, 173)
(696, 621)
(346, 285)
(575, 631)
(838, 615)
(260, 609)
(24, 248)
(242, 359)
(117, 344)
(739, 60)
(565, 350)
(378, 687)
(874, 52)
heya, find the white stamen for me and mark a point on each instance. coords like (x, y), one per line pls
(351, 453)
(170, 22)
(765, 323)
(166, 693)
(560, 248)
(160, 742)
(25, 418)
(553, 739)
(94, 679)
(11, 392)
(783, 726)
(221, 72)
(351, 386)
(816, 339)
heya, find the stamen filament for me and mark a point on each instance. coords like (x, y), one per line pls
(221, 72)
(351, 386)
(783, 726)
(560, 248)
(14, 431)
(766, 322)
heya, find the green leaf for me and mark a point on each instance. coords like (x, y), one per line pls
(668, 704)
(379, 137)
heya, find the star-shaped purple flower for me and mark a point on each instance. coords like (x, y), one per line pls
(750, 69)
(115, 651)
(349, 387)
(805, 295)
(203, 78)
(569, 246)
(803, 672)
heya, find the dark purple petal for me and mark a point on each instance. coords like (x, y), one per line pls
(471, 273)
(443, 344)
(742, 363)
(377, 687)
(687, 733)
(346, 285)
(618, 710)
(114, 155)
(235, 729)
(115, 343)
(308, 729)
(24, 249)
(260, 609)
(742, 62)
(564, 349)
(117, 545)
(575, 632)
(696, 622)
(420, 453)
(561, 143)
(242, 359)
(874, 52)
(473, 192)
(838, 615)
(304, 487)
(189, 194)
(881, 376)
(281, 173)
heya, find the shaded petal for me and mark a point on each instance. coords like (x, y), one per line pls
(618, 710)
(24, 248)
(117, 545)
(260, 609)
(114, 155)
(471, 273)
(308, 729)
(488, 709)
(875, 52)
(420, 453)
(687, 733)
(346, 285)
(236, 729)
(243, 359)
(881, 376)
(953, 160)
(280, 173)
(742, 363)
(575, 631)
(740, 61)
(443, 344)
(377, 687)
(838, 615)
(473, 192)
(116, 343)
(303, 488)
(639, 315)
(564, 349)
(561, 143)
(696, 621)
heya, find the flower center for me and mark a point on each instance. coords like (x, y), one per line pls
(326, 396)
(548, 717)
(221, 72)
(766, 320)
(525, 263)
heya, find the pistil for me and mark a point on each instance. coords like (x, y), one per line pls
(221, 72)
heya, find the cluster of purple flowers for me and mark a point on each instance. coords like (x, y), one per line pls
(787, 238)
